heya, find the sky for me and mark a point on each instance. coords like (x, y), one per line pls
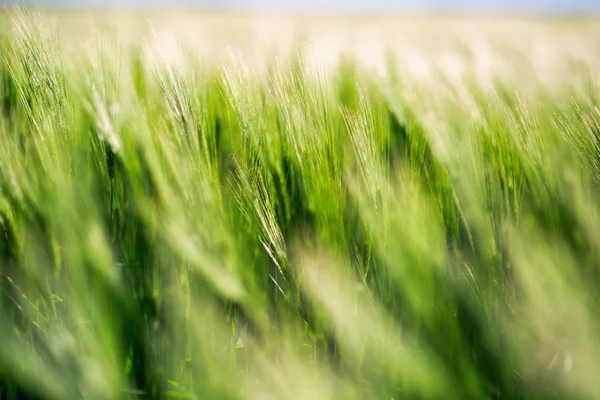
(458, 6)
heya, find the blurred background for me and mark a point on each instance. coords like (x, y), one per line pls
(402, 6)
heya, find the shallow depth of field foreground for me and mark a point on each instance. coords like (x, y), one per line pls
(232, 207)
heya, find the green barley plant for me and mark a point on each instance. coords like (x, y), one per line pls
(350, 210)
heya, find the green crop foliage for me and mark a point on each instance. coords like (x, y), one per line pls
(281, 225)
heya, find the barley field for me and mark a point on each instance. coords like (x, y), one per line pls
(232, 206)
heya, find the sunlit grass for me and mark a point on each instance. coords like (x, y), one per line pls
(313, 219)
